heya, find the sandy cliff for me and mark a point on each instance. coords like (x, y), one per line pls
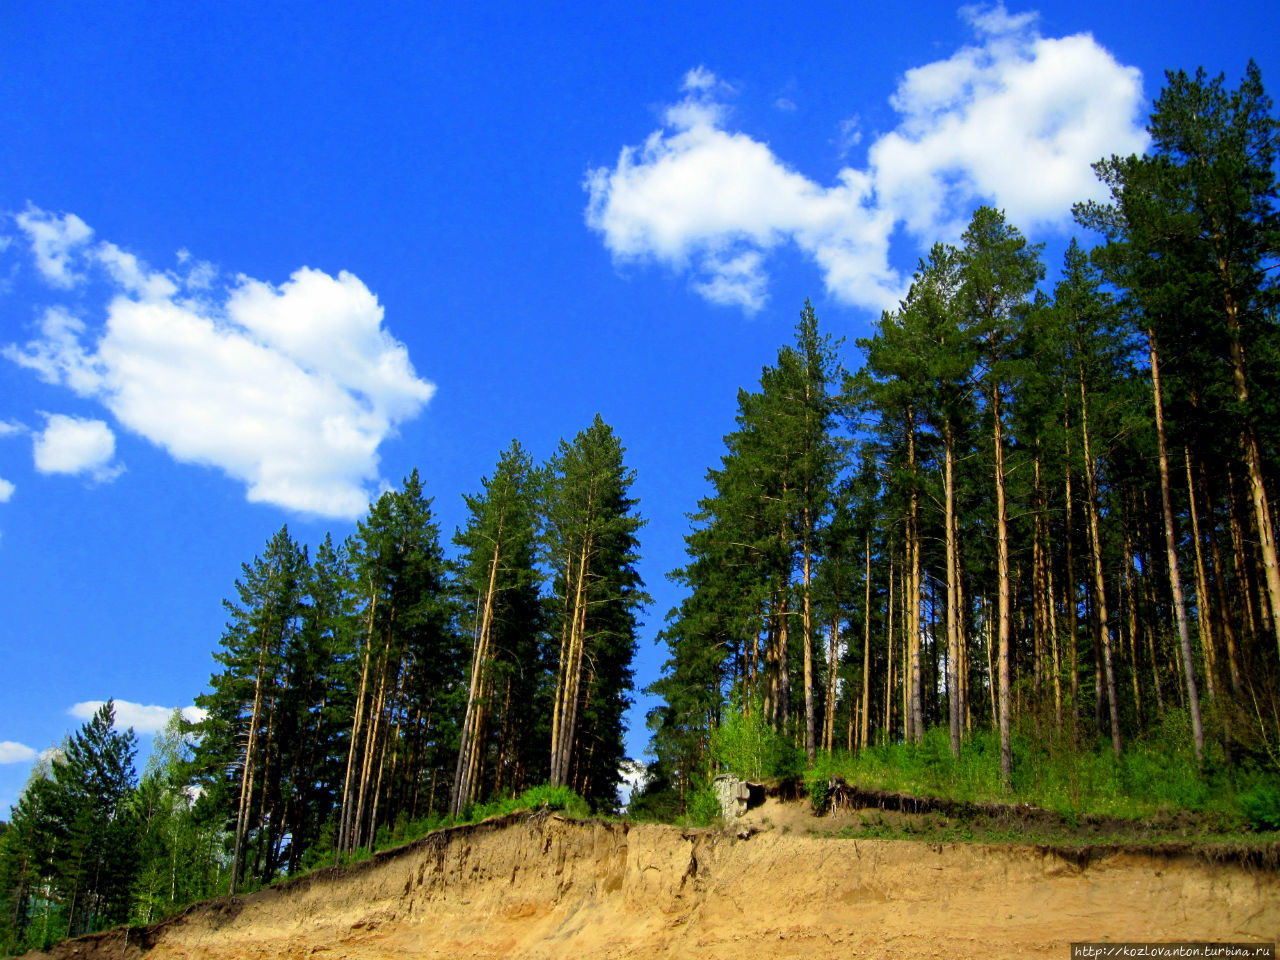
(540, 886)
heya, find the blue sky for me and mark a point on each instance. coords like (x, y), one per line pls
(256, 262)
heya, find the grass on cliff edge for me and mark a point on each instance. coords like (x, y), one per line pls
(1155, 775)
(321, 854)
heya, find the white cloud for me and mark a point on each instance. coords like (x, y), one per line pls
(785, 104)
(1015, 120)
(700, 79)
(9, 428)
(850, 134)
(54, 240)
(74, 445)
(289, 389)
(148, 719)
(58, 357)
(12, 752)
(194, 714)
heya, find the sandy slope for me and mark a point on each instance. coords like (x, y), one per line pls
(545, 887)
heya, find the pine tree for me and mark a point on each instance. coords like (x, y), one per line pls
(408, 667)
(999, 270)
(93, 850)
(240, 746)
(591, 543)
(499, 586)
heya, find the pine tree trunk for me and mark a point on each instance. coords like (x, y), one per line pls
(829, 715)
(911, 604)
(1069, 592)
(953, 625)
(1204, 612)
(1171, 549)
(357, 721)
(247, 772)
(784, 654)
(866, 653)
(1099, 584)
(1224, 609)
(1241, 560)
(1130, 589)
(471, 724)
(1253, 462)
(567, 619)
(809, 745)
(1002, 573)
(888, 676)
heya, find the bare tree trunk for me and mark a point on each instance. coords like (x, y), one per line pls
(953, 611)
(992, 675)
(472, 723)
(911, 604)
(809, 745)
(1253, 462)
(1224, 609)
(563, 753)
(1002, 573)
(1171, 548)
(1057, 662)
(1069, 591)
(247, 771)
(357, 722)
(829, 715)
(888, 676)
(783, 655)
(1204, 614)
(1130, 590)
(1149, 598)
(1099, 584)
(568, 617)
(866, 653)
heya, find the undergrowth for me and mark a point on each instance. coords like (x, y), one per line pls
(1156, 774)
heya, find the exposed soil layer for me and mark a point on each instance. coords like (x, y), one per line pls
(540, 886)
(869, 812)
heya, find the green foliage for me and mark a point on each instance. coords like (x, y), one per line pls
(590, 540)
(703, 809)
(818, 788)
(746, 746)
(1261, 806)
(70, 854)
(1154, 774)
(545, 797)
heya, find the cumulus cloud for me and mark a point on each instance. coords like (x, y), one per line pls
(149, 719)
(13, 752)
(76, 446)
(1013, 119)
(289, 389)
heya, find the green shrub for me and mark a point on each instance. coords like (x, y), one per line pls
(1261, 806)
(704, 808)
(553, 798)
(750, 749)
(817, 784)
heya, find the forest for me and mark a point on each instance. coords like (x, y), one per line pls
(1029, 530)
